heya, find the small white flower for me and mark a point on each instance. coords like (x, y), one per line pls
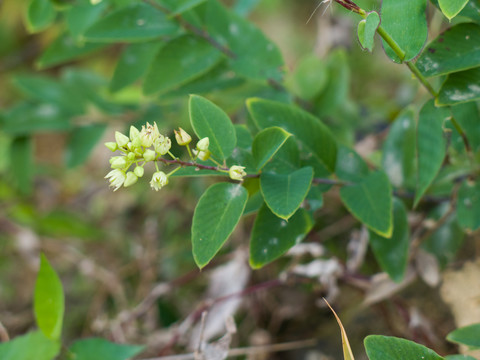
(182, 137)
(159, 180)
(203, 144)
(121, 139)
(237, 172)
(162, 145)
(116, 178)
(149, 134)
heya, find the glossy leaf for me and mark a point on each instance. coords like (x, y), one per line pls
(267, 143)
(406, 23)
(101, 349)
(456, 49)
(82, 142)
(33, 345)
(49, 303)
(380, 347)
(134, 22)
(398, 156)
(178, 7)
(66, 48)
(431, 146)
(272, 237)
(467, 335)
(367, 29)
(370, 201)
(392, 253)
(468, 117)
(314, 136)
(180, 61)
(452, 8)
(40, 14)
(309, 77)
(81, 16)
(468, 205)
(208, 120)
(133, 64)
(460, 87)
(216, 216)
(284, 193)
(350, 166)
(459, 357)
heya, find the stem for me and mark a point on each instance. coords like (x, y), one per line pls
(392, 43)
(421, 78)
(460, 131)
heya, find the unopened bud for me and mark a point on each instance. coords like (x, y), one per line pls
(237, 172)
(119, 162)
(131, 156)
(182, 137)
(202, 155)
(121, 139)
(130, 180)
(112, 146)
(203, 144)
(139, 171)
(149, 155)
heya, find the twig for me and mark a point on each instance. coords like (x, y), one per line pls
(250, 350)
(198, 350)
(3, 333)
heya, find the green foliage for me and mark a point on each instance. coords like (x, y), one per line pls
(34, 345)
(391, 348)
(101, 349)
(367, 29)
(467, 335)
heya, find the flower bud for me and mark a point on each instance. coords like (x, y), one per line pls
(149, 134)
(182, 137)
(116, 178)
(139, 171)
(159, 180)
(119, 162)
(203, 144)
(112, 146)
(162, 145)
(131, 156)
(121, 139)
(149, 155)
(237, 172)
(131, 179)
(135, 137)
(202, 155)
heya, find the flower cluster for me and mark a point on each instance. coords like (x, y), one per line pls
(148, 145)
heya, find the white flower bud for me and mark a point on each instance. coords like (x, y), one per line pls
(119, 162)
(139, 171)
(121, 139)
(202, 155)
(162, 145)
(237, 172)
(149, 134)
(182, 137)
(159, 180)
(116, 178)
(203, 144)
(112, 146)
(131, 156)
(149, 155)
(131, 179)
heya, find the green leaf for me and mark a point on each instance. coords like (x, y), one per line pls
(101, 349)
(392, 253)
(208, 120)
(350, 166)
(285, 193)
(48, 303)
(82, 141)
(451, 8)
(431, 146)
(267, 143)
(468, 335)
(468, 205)
(21, 163)
(380, 347)
(40, 15)
(468, 117)
(370, 201)
(178, 7)
(312, 134)
(272, 237)
(168, 71)
(133, 64)
(33, 345)
(406, 23)
(459, 357)
(255, 56)
(309, 77)
(80, 17)
(65, 48)
(134, 22)
(367, 29)
(456, 49)
(460, 87)
(216, 216)
(398, 156)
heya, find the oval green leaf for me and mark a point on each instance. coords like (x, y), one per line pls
(81, 143)
(367, 29)
(34, 345)
(168, 72)
(406, 23)
(468, 335)
(101, 349)
(468, 205)
(208, 120)
(460, 87)
(452, 8)
(40, 14)
(48, 303)
(431, 146)
(456, 49)
(380, 347)
(267, 143)
(314, 136)
(134, 22)
(272, 237)
(350, 165)
(392, 253)
(284, 193)
(216, 215)
(370, 201)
